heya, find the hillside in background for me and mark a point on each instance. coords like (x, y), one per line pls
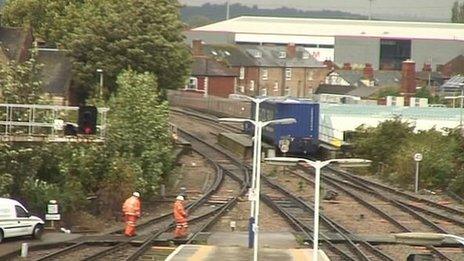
(195, 16)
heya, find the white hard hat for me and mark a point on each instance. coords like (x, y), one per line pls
(136, 194)
(180, 198)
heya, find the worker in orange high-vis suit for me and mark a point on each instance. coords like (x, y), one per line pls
(132, 210)
(180, 216)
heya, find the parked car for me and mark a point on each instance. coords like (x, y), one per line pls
(15, 220)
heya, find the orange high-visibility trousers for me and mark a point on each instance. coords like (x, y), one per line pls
(181, 230)
(130, 225)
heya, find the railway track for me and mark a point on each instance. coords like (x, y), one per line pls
(203, 216)
(299, 215)
(417, 209)
(402, 217)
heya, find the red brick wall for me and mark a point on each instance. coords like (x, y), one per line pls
(221, 86)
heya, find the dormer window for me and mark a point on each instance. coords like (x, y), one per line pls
(282, 55)
(306, 55)
(258, 54)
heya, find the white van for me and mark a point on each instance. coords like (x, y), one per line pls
(15, 220)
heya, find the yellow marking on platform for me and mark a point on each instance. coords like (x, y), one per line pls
(201, 253)
(301, 254)
(163, 248)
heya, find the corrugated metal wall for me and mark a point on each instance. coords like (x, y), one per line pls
(357, 51)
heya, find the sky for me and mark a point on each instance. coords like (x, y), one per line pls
(415, 9)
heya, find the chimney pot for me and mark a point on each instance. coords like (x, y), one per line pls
(346, 66)
(329, 64)
(368, 72)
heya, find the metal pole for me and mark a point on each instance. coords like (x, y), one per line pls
(416, 186)
(318, 167)
(101, 84)
(256, 144)
(227, 10)
(257, 192)
(460, 111)
(370, 9)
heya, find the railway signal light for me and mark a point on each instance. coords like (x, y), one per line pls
(87, 122)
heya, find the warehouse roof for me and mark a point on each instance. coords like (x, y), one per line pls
(337, 27)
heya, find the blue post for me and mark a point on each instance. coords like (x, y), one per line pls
(251, 233)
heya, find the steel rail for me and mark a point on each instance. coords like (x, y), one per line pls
(143, 248)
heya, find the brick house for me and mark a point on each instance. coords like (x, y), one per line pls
(271, 70)
(208, 76)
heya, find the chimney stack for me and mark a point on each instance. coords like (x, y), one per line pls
(368, 72)
(197, 47)
(329, 64)
(291, 50)
(346, 66)
(408, 80)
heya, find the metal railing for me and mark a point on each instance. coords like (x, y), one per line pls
(34, 122)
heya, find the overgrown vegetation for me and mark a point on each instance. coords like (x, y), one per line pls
(392, 144)
(457, 12)
(138, 44)
(111, 35)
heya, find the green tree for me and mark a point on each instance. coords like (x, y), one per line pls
(437, 167)
(21, 82)
(380, 143)
(39, 14)
(116, 34)
(457, 12)
(145, 35)
(138, 127)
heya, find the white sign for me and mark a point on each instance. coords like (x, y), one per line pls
(52, 216)
(284, 145)
(52, 209)
(251, 194)
(418, 157)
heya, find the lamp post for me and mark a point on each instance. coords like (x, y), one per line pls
(461, 86)
(255, 190)
(256, 151)
(100, 71)
(422, 238)
(317, 165)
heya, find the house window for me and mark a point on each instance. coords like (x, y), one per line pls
(263, 92)
(282, 55)
(252, 85)
(276, 86)
(287, 91)
(310, 75)
(241, 89)
(288, 74)
(192, 84)
(242, 73)
(265, 74)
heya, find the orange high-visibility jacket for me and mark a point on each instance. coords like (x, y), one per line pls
(132, 206)
(179, 212)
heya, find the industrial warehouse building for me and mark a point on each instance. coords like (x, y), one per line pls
(383, 44)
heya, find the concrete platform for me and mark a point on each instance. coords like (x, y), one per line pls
(267, 240)
(12, 245)
(223, 253)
